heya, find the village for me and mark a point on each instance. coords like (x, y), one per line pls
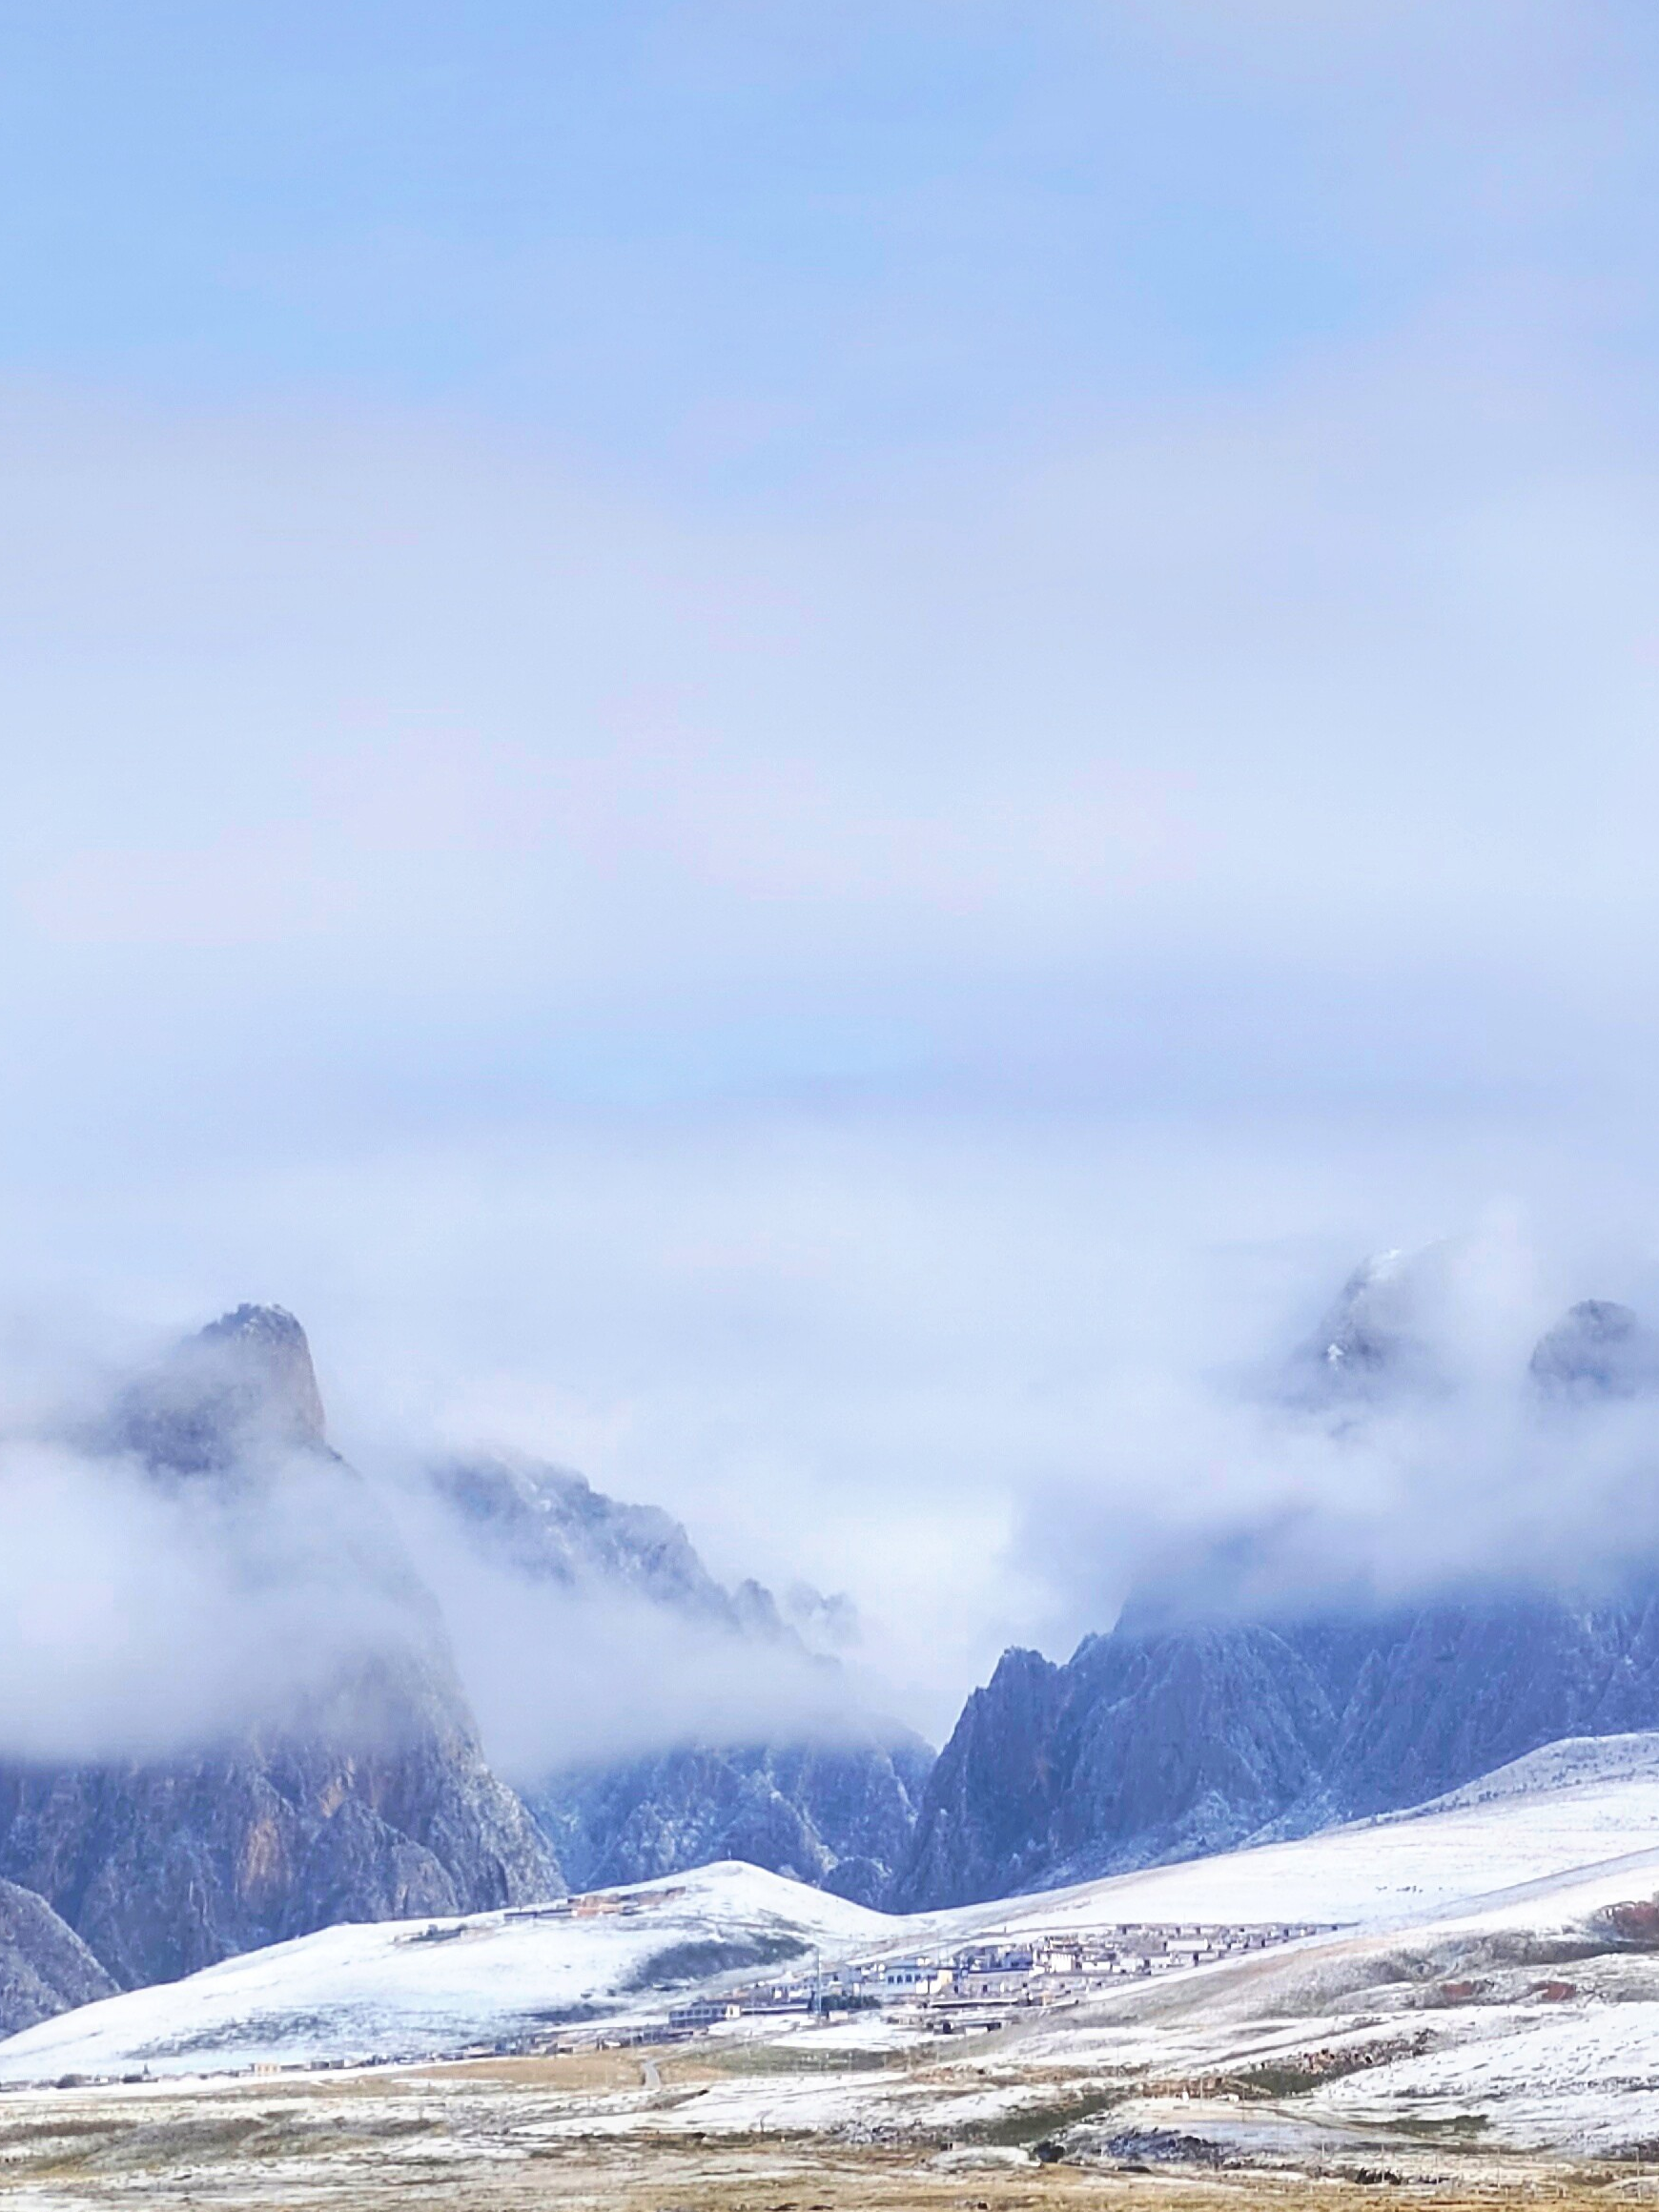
(958, 1989)
(965, 1988)
(976, 1988)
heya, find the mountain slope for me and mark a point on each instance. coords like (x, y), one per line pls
(360, 1794)
(45, 1968)
(1145, 1749)
(1188, 1728)
(1526, 1845)
(423, 1988)
(836, 1807)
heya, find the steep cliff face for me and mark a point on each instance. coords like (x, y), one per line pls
(839, 1817)
(1141, 1750)
(1163, 1741)
(362, 1794)
(45, 1968)
(166, 1867)
(837, 1813)
(988, 1811)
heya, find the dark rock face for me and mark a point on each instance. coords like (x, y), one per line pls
(1163, 1740)
(1141, 1750)
(839, 1818)
(366, 1798)
(166, 1868)
(993, 1799)
(801, 1811)
(838, 1815)
(45, 1968)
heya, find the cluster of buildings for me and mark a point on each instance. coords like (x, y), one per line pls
(954, 1989)
(978, 1985)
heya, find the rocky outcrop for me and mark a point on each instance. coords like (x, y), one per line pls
(1145, 1749)
(1171, 1736)
(166, 1867)
(362, 1796)
(1599, 1350)
(241, 1389)
(549, 1525)
(837, 1816)
(45, 1968)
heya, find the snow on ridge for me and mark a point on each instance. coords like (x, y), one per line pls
(1567, 1810)
(408, 1989)
(1571, 1763)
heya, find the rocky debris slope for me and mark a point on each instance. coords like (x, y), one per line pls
(45, 1968)
(361, 1795)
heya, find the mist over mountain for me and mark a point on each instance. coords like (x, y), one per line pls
(1268, 1680)
(248, 1689)
(334, 1771)
(232, 1709)
(713, 1731)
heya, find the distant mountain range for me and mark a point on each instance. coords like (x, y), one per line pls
(1197, 1723)
(365, 1794)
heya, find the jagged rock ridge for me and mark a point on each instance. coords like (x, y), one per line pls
(1147, 1748)
(838, 1813)
(1163, 1740)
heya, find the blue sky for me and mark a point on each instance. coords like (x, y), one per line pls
(752, 245)
(788, 749)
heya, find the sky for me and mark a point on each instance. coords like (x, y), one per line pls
(806, 754)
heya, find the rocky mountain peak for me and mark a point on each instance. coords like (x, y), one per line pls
(1598, 1349)
(1373, 1336)
(243, 1384)
(271, 1352)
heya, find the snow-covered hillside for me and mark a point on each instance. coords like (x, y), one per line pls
(1523, 2012)
(413, 1989)
(1537, 1845)
(1570, 1806)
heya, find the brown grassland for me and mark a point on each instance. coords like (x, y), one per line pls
(542, 2135)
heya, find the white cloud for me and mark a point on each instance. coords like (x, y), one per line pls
(137, 1622)
(835, 1007)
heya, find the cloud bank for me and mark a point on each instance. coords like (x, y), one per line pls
(857, 767)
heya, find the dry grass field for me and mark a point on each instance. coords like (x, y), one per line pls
(572, 2136)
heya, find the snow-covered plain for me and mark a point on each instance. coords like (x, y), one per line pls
(1473, 1962)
